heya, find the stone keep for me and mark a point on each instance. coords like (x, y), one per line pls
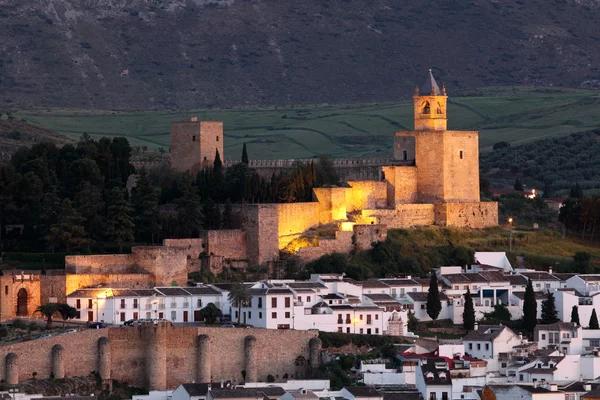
(194, 144)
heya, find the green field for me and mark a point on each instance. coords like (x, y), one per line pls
(517, 115)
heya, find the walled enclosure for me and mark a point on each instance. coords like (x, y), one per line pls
(161, 357)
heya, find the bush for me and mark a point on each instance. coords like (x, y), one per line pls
(33, 326)
(3, 332)
(270, 378)
(19, 324)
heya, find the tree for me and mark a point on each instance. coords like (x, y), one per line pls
(575, 315)
(518, 185)
(227, 217)
(48, 310)
(462, 256)
(245, 155)
(501, 314)
(529, 308)
(239, 296)
(189, 214)
(412, 323)
(212, 215)
(593, 320)
(501, 145)
(469, 312)
(326, 173)
(549, 312)
(145, 204)
(67, 312)
(581, 263)
(119, 224)
(9, 180)
(90, 204)
(68, 232)
(210, 313)
(434, 305)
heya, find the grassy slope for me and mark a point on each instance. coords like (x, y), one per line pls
(517, 115)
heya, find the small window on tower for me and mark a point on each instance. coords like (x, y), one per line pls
(205, 158)
(217, 138)
(404, 155)
(461, 154)
(426, 108)
(194, 138)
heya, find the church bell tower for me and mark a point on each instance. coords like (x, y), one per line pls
(430, 106)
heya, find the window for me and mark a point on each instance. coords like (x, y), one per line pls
(78, 303)
(376, 330)
(236, 314)
(478, 346)
(340, 329)
(487, 346)
(368, 331)
(404, 155)
(432, 396)
(503, 365)
(148, 315)
(543, 336)
(461, 155)
(422, 306)
(521, 377)
(308, 298)
(173, 315)
(6, 289)
(249, 314)
(537, 285)
(122, 303)
(360, 317)
(260, 302)
(456, 287)
(287, 314)
(217, 138)
(376, 316)
(361, 331)
(274, 315)
(194, 138)
(299, 298)
(274, 302)
(135, 303)
(199, 303)
(161, 315)
(547, 286)
(444, 395)
(470, 346)
(90, 303)
(347, 330)
(122, 317)
(287, 302)
(259, 315)
(465, 287)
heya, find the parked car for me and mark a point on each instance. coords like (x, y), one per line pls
(97, 325)
(69, 331)
(227, 326)
(129, 322)
(45, 335)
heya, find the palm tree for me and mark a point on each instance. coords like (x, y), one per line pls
(239, 296)
(67, 312)
(48, 310)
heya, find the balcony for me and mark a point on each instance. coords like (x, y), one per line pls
(369, 322)
(136, 305)
(161, 306)
(173, 305)
(348, 321)
(340, 321)
(298, 303)
(186, 305)
(148, 306)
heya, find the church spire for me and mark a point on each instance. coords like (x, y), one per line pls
(430, 86)
(430, 105)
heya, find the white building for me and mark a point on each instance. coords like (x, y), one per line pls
(487, 342)
(433, 379)
(565, 336)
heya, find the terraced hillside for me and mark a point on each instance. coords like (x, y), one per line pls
(517, 115)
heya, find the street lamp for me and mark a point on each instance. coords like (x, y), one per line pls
(510, 221)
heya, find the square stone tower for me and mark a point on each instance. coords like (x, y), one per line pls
(194, 144)
(447, 162)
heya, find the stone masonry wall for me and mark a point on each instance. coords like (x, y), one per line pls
(168, 354)
(365, 195)
(461, 166)
(365, 235)
(401, 182)
(228, 243)
(193, 248)
(185, 144)
(331, 203)
(295, 218)
(404, 216)
(260, 222)
(342, 243)
(470, 215)
(9, 290)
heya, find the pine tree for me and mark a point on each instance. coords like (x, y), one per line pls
(434, 305)
(529, 308)
(469, 312)
(90, 205)
(593, 320)
(218, 180)
(68, 232)
(227, 218)
(189, 214)
(212, 215)
(412, 323)
(119, 223)
(549, 312)
(145, 203)
(575, 315)
(518, 185)
(245, 155)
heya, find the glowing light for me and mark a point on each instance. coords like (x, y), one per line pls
(347, 226)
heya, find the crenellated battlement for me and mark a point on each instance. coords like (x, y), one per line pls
(289, 163)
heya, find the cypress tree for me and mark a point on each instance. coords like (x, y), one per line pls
(145, 203)
(189, 214)
(245, 155)
(119, 224)
(227, 218)
(434, 305)
(212, 215)
(469, 312)
(549, 312)
(529, 308)
(575, 315)
(594, 320)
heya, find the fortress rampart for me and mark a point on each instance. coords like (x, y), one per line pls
(159, 356)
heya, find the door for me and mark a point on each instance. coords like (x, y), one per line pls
(90, 316)
(185, 316)
(197, 316)
(22, 303)
(161, 315)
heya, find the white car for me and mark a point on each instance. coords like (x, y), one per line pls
(45, 335)
(69, 331)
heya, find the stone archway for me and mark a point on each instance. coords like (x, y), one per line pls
(22, 299)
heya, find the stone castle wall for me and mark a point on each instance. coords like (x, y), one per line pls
(229, 243)
(467, 215)
(193, 247)
(365, 195)
(401, 184)
(342, 243)
(461, 166)
(403, 216)
(161, 356)
(295, 218)
(365, 235)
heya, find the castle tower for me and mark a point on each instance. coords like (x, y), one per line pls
(194, 144)
(430, 106)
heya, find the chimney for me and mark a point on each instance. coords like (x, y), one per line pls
(550, 269)
(587, 387)
(476, 326)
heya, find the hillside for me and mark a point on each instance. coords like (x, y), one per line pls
(15, 134)
(183, 54)
(517, 115)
